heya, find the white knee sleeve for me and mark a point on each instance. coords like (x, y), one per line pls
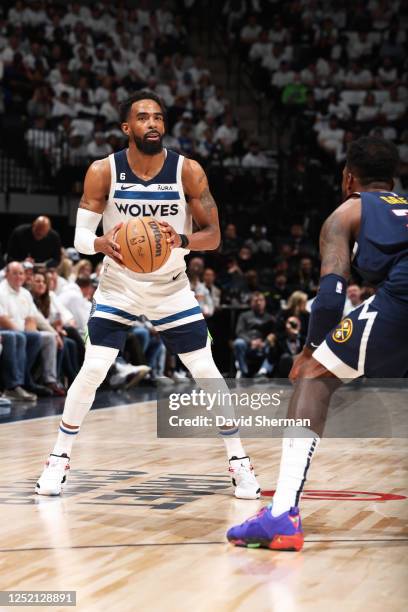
(81, 394)
(201, 363)
(202, 367)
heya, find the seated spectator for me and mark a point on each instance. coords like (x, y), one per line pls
(98, 147)
(252, 329)
(353, 299)
(37, 242)
(296, 307)
(295, 92)
(259, 244)
(52, 310)
(209, 278)
(358, 77)
(368, 111)
(393, 109)
(227, 133)
(278, 293)
(19, 313)
(284, 346)
(307, 277)
(254, 158)
(232, 281)
(245, 260)
(77, 298)
(387, 74)
(331, 137)
(202, 294)
(231, 243)
(62, 106)
(250, 32)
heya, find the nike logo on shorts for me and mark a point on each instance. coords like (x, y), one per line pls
(177, 275)
(127, 187)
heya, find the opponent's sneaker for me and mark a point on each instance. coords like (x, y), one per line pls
(54, 475)
(243, 478)
(283, 532)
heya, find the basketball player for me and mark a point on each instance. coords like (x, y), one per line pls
(144, 180)
(371, 341)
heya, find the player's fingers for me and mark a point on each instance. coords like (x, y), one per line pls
(117, 227)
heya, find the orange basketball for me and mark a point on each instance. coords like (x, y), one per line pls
(143, 245)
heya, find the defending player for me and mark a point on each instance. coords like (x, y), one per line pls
(144, 180)
(371, 341)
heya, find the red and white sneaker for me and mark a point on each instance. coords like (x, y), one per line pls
(243, 478)
(54, 475)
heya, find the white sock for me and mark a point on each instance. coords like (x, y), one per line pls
(65, 439)
(81, 394)
(297, 454)
(202, 367)
(233, 444)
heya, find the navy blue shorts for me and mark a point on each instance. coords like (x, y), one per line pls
(370, 341)
(181, 339)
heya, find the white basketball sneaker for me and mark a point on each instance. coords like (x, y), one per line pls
(54, 475)
(243, 478)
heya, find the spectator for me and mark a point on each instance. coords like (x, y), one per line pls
(230, 241)
(284, 346)
(37, 242)
(353, 299)
(20, 314)
(254, 158)
(99, 148)
(296, 307)
(368, 111)
(209, 278)
(54, 312)
(252, 328)
(77, 298)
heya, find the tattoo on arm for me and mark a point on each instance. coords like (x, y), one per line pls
(335, 247)
(207, 200)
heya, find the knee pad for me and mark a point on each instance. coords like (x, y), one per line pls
(201, 363)
(98, 360)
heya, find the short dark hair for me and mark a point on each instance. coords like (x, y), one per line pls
(372, 159)
(83, 281)
(126, 105)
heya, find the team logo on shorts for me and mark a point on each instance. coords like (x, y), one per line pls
(343, 331)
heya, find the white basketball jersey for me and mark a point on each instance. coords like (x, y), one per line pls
(161, 197)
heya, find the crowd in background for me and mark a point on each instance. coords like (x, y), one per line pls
(329, 73)
(265, 288)
(333, 72)
(65, 68)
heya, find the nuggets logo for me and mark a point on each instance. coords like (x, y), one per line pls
(343, 332)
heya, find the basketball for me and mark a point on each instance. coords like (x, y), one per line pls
(143, 245)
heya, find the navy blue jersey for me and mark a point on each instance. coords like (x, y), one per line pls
(381, 255)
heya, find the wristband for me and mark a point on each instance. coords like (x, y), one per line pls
(327, 309)
(184, 241)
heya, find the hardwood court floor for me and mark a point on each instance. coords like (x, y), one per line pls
(142, 523)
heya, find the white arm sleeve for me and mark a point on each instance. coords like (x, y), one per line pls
(86, 225)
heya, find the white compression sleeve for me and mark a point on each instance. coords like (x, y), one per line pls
(86, 225)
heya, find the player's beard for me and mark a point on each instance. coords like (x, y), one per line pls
(148, 147)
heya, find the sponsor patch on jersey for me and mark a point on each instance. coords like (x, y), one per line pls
(343, 331)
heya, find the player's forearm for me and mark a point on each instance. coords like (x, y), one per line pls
(207, 239)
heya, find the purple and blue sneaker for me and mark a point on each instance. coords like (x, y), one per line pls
(283, 532)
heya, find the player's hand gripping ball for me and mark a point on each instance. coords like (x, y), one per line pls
(143, 245)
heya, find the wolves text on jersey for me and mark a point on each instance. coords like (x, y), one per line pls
(148, 210)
